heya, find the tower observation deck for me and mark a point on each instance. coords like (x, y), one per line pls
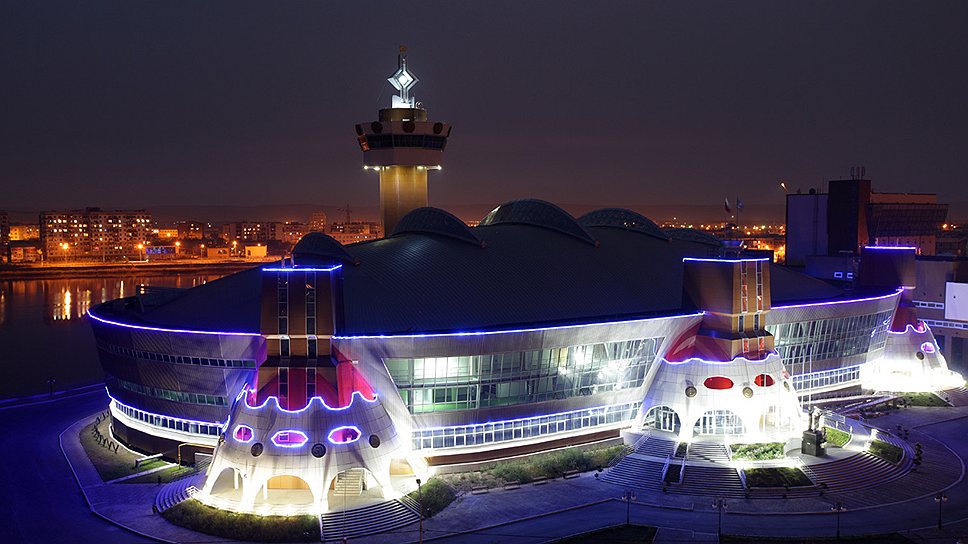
(402, 146)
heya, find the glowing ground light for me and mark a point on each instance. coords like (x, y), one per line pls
(346, 434)
(289, 438)
(243, 433)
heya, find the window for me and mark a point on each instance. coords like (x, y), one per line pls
(283, 382)
(310, 383)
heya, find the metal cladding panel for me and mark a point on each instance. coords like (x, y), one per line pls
(857, 305)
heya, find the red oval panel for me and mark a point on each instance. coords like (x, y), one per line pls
(718, 382)
(763, 380)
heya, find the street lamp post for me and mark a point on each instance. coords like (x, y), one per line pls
(628, 497)
(720, 505)
(839, 507)
(420, 503)
(940, 498)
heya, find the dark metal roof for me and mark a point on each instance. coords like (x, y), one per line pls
(537, 213)
(435, 221)
(622, 219)
(317, 246)
(693, 235)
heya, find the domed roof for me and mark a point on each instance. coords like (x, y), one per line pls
(622, 219)
(317, 246)
(435, 221)
(540, 214)
(693, 235)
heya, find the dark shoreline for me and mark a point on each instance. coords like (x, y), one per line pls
(145, 269)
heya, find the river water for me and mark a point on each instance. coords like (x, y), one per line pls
(45, 332)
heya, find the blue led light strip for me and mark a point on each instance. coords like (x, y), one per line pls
(835, 302)
(298, 269)
(162, 329)
(511, 331)
(734, 360)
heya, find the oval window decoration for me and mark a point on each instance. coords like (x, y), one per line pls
(748, 392)
(763, 380)
(346, 434)
(376, 127)
(289, 438)
(691, 391)
(243, 433)
(374, 441)
(718, 382)
(318, 450)
(256, 449)
(928, 347)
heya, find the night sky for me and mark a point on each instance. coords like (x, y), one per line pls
(141, 104)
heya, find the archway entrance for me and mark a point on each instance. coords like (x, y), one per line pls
(228, 485)
(719, 422)
(353, 488)
(285, 490)
(662, 418)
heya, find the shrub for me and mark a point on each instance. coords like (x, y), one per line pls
(758, 452)
(434, 496)
(776, 477)
(196, 516)
(886, 451)
(836, 436)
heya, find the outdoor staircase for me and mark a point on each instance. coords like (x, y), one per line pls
(635, 472)
(656, 446)
(349, 483)
(368, 520)
(714, 452)
(178, 491)
(955, 397)
(709, 480)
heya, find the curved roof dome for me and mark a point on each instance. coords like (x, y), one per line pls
(622, 219)
(319, 246)
(435, 221)
(693, 235)
(540, 214)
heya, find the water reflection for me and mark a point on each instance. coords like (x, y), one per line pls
(44, 332)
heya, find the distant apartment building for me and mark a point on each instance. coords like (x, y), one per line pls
(190, 230)
(94, 234)
(292, 231)
(4, 237)
(850, 215)
(23, 232)
(252, 231)
(356, 231)
(318, 222)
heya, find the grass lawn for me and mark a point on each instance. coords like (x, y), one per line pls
(922, 399)
(547, 465)
(196, 516)
(619, 534)
(757, 452)
(836, 436)
(111, 465)
(888, 452)
(776, 477)
(435, 495)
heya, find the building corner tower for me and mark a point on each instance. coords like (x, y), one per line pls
(402, 146)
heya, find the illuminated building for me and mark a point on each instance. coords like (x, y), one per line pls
(23, 232)
(318, 222)
(190, 230)
(93, 234)
(254, 231)
(355, 231)
(402, 146)
(4, 237)
(292, 231)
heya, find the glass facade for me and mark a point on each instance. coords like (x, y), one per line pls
(165, 422)
(436, 384)
(801, 343)
(167, 394)
(531, 427)
(816, 380)
(719, 422)
(177, 359)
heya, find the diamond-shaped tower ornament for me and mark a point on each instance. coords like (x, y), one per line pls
(402, 80)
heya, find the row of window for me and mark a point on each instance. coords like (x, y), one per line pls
(437, 384)
(803, 342)
(377, 141)
(804, 383)
(172, 423)
(928, 304)
(175, 396)
(177, 359)
(504, 431)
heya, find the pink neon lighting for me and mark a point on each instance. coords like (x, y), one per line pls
(766, 355)
(162, 329)
(835, 302)
(243, 433)
(921, 328)
(346, 434)
(896, 248)
(309, 404)
(928, 347)
(298, 269)
(290, 438)
(751, 260)
(718, 382)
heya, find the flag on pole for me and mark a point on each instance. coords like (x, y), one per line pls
(726, 205)
(739, 204)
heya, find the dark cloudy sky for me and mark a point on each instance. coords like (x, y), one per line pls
(633, 103)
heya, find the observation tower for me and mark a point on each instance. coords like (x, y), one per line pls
(402, 146)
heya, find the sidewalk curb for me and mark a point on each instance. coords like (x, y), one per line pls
(60, 441)
(35, 400)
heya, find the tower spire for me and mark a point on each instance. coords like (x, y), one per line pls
(402, 80)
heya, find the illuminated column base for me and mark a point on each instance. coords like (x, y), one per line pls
(402, 190)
